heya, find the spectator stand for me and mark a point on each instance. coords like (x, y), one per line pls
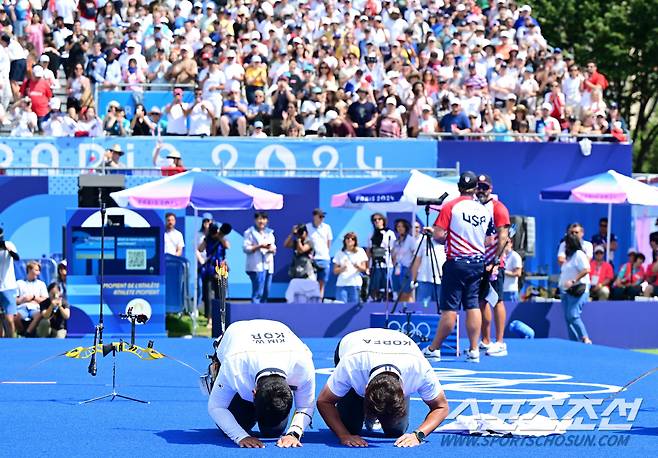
(298, 67)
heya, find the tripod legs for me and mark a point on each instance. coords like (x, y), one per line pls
(114, 394)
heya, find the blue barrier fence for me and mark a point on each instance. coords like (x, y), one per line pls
(32, 209)
(232, 152)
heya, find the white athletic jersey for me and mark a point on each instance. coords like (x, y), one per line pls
(467, 223)
(362, 351)
(247, 349)
(500, 217)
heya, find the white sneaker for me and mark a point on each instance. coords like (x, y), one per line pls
(484, 346)
(497, 349)
(432, 355)
(473, 356)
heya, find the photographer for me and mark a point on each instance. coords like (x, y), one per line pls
(214, 245)
(55, 312)
(302, 264)
(8, 254)
(379, 251)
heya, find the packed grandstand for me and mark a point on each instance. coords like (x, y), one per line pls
(336, 68)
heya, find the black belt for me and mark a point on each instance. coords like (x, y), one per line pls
(469, 260)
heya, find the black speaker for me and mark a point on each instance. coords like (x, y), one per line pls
(524, 239)
(90, 185)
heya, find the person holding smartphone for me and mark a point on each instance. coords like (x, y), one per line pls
(259, 245)
(349, 264)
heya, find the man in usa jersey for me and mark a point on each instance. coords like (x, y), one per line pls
(494, 270)
(463, 225)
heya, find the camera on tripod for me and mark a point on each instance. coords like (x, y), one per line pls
(378, 252)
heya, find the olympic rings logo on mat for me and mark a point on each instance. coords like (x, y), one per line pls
(411, 329)
(487, 386)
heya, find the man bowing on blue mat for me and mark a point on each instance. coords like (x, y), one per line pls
(376, 372)
(263, 367)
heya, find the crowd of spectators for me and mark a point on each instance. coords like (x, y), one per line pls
(608, 277)
(296, 67)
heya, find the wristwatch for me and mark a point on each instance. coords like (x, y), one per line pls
(294, 434)
(420, 436)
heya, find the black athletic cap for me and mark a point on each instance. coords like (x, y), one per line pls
(468, 180)
(484, 178)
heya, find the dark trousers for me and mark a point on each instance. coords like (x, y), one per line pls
(209, 291)
(625, 293)
(244, 413)
(351, 410)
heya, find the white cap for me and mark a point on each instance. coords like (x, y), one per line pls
(267, 9)
(198, 5)
(256, 59)
(55, 103)
(231, 53)
(255, 35)
(547, 106)
(37, 71)
(525, 8)
(392, 74)
(331, 115)
(44, 58)
(391, 101)
(131, 44)
(461, 7)
(511, 97)
(427, 107)
(455, 101)
(243, 10)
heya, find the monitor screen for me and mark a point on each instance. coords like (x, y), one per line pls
(128, 251)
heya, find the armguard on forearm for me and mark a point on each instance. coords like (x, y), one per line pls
(300, 421)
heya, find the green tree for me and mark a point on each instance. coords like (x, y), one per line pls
(622, 38)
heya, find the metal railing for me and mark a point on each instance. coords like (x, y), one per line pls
(155, 172)
(484, 136)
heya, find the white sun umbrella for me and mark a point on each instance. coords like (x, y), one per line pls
(609, 188)
(399, 194)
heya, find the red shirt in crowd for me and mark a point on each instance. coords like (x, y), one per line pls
(39, 93)
(172, 170)
(600, 273)
(597, 79)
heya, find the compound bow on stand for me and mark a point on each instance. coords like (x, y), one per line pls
(207, 380)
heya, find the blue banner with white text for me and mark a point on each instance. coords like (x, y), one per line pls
(225, 152)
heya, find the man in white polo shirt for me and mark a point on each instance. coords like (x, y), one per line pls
(31, 292)
(173, 239)
(321, 236)
(263, 367)
(578, 230)
(376, 372)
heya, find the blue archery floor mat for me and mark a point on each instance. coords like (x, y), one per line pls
(40, 414)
